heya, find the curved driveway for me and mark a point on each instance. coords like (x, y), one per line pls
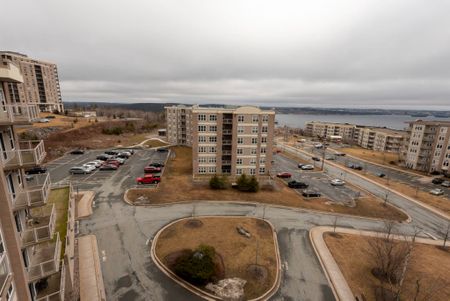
(129, 274)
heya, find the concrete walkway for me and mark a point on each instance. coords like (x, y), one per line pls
(91, 279)
(340, 287)
(84, 205)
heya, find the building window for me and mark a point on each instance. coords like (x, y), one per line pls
(255, 118)
(262, 170)
(202, 149)
(239, 151)
(263, 150)
(202, 117)
(262, 161)
(264, 129)
(240, 140)
(265, 118)
(213, 139)
(252, 171)
(253, 151)
(212, 160)
(239, 171)
(201, 139)
(239, 161)
(212, 117)
(213, 128)
(240, 129)
(212, 149)
(202, 128)
(202, 169)
(253, 161)
(201, 159)
(240, 118)
(255, 130)
(212, 169)
(254, 140)
(263, 139)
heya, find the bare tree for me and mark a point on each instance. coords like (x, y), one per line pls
(335, 221)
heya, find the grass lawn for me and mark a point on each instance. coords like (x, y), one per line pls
(60, 197)
(237, 251)
(177, 186)
(428, 263)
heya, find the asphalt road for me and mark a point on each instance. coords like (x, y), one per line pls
(123, 232)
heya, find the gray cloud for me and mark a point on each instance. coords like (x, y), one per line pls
(324, 53)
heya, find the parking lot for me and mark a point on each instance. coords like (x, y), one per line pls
(130, 170)
(317, 181)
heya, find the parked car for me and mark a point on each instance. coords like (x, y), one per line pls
(162, 150)
(311, 194)
(381, 175)
(297, 185)
(103, 157)
(120, 160)
(446, 184)
(36, 170)
(113, 162)
(77, 152)
(109, 167)
(148, 179)
(152, 169)
(43, 120)
(130, 150)
(124, 155)
(284, 175)
(89, 167)
(438, 181)
(329, 158)
(156, 164)
(49, 117)
(307, 167)
(337, 182)
(339, 154)
(318, 145)
(315, 159)
(437, 191)
(93, 164)
(300, 165)
(111, 152)
(79, 170)
(355, 166)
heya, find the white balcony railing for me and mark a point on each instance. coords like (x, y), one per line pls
(42, 267)
(5, 274)
(11, 113)
(26, 153)
(33, 196)
(58, 293)
(36, 234)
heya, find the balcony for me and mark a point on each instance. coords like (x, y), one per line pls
(40, 226)
(45, 259)
(54, 291)
(228, 121)
(35, 194)
(5, 275)
(226, 152)
(226, 142)
(27, 154)
(18, 113)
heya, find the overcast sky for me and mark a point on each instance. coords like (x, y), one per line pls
(291, 53)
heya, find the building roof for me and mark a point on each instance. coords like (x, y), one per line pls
(429, 122)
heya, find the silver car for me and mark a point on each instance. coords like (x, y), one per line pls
(437, 191)
(337, 182)
(446, 184)
(79, 170)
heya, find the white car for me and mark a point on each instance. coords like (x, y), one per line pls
(124, 155)
(437, 191)
(318, 145)
(44, 120)
(337, 182)
(96, 164)
(89, 167)
(121, 160)
(79, 170)
(307, 167)
(446, 184)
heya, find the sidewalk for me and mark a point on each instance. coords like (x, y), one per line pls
(91, 279)
(84, 205)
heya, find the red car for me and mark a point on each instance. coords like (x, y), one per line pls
(108, 167)
(114, 162)
(148, 179)
(152, 169)
(284, 175)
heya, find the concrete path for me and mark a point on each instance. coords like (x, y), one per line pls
(91, 279)
(84, 205)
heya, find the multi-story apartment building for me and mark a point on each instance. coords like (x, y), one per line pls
(232, 141)
(179, 127)
(31, 264)
(40, 83)
(224, 140)
(427, 147)
(379, 139)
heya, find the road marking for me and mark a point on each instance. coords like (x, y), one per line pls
(430, 235)
(103, 255)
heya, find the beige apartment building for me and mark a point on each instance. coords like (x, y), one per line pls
(230, 141)
(428, 146)
(32, 264)
(40, 83)
(179, 124)
(379, 139)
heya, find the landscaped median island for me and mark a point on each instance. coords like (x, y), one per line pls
(382, 267)
(177, 185)
(209, 252)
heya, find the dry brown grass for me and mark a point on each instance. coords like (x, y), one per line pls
(429, 263)
(439, 202)
(154, 143)
(236, 250)
(177, 186)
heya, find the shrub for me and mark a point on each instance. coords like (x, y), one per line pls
(253, 184)
(244, 183)
(113, 131)
(217, 183)
(197, 267)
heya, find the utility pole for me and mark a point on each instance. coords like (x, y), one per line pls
(386, 196)
(323, 157)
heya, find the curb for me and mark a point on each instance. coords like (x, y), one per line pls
(203, 294)
(333, 273)
(425, 206)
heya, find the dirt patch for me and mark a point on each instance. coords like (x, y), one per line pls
(193, 223)
(428, 264)
(257, 273)
(237, 252)
(177, 186)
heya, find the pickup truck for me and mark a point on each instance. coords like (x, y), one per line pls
(148, 179)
